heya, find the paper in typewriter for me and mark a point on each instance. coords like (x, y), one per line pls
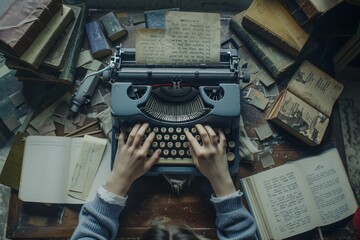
(189, 38)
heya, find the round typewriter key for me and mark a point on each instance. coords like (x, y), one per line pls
(166, 152)
(178, 144)
(154, 144)
(178, 130)
(231, 144)
(166, 137)
(174, 137)
(163, 129)
(170, 129)
(155, 129)
(181, 152)
(170, 144)
(173, 152)
(158, 137)
(230, 156)
(182, 137)
(162, 144)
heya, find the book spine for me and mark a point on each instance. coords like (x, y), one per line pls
(67, 75)
(249, 41)
(270, 36)
(98, 43)
(18, 38)
(308, 8)
(296, 12)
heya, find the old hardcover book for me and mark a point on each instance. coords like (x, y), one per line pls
(304, 108)
(99, 45)
(23, 21)
(300, 196)
(113, 27)
(37, 51)
(68, 71)
(56, 56)
(270, 20)
(276, 61)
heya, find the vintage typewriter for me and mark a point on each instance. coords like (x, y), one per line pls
(172, 98)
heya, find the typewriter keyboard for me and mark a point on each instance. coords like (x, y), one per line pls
(175, 147)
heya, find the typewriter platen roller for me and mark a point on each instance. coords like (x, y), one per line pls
(173, 99)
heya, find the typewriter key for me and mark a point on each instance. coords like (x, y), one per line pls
(230, 156)
(231, 144)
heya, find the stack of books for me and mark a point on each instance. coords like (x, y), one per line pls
(41, 39)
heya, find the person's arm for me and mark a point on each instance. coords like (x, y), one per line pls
(233, 221)
(99, 219)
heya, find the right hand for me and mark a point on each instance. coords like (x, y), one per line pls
(211, 160)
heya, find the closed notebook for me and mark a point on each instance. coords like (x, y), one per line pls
(99, 45)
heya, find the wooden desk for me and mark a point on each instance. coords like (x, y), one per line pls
(152, 201)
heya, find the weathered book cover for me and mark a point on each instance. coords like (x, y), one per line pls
(98, 43)
(56, 56)
(270, 20)
(23, 21)
(68, 71)
(276, 61)
(156, 18)
(113, 27)
(35, 54)
(304, 108)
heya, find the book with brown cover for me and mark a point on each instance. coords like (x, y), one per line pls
(305, 107)
(23, 21)
(35, 54)
(270, 20)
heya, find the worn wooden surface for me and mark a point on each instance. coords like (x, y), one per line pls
(152, 201)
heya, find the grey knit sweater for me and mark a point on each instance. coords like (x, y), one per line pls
(99, 219)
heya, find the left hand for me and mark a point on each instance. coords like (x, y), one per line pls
(131, 159)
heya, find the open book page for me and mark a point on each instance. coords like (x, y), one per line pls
(315, 87)
(285, 204)
(301, 118)
(45, 169)
(329, 186)
(189, 38)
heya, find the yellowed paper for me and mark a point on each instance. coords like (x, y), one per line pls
(189, 38)
(315, 87)
(87, 165)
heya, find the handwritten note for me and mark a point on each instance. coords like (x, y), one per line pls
(189, 38)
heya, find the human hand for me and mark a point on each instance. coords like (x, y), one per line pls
(210, 159)
(131, 159)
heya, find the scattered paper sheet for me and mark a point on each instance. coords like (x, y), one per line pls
(87, 165)
(189, 37)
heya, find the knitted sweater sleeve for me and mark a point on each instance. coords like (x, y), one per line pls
(233, 221)
(99, 219)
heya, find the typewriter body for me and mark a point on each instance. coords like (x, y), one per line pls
(172, 99)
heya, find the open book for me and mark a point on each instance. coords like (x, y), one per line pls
(49, 165)
(304, 108)
(299, 196)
